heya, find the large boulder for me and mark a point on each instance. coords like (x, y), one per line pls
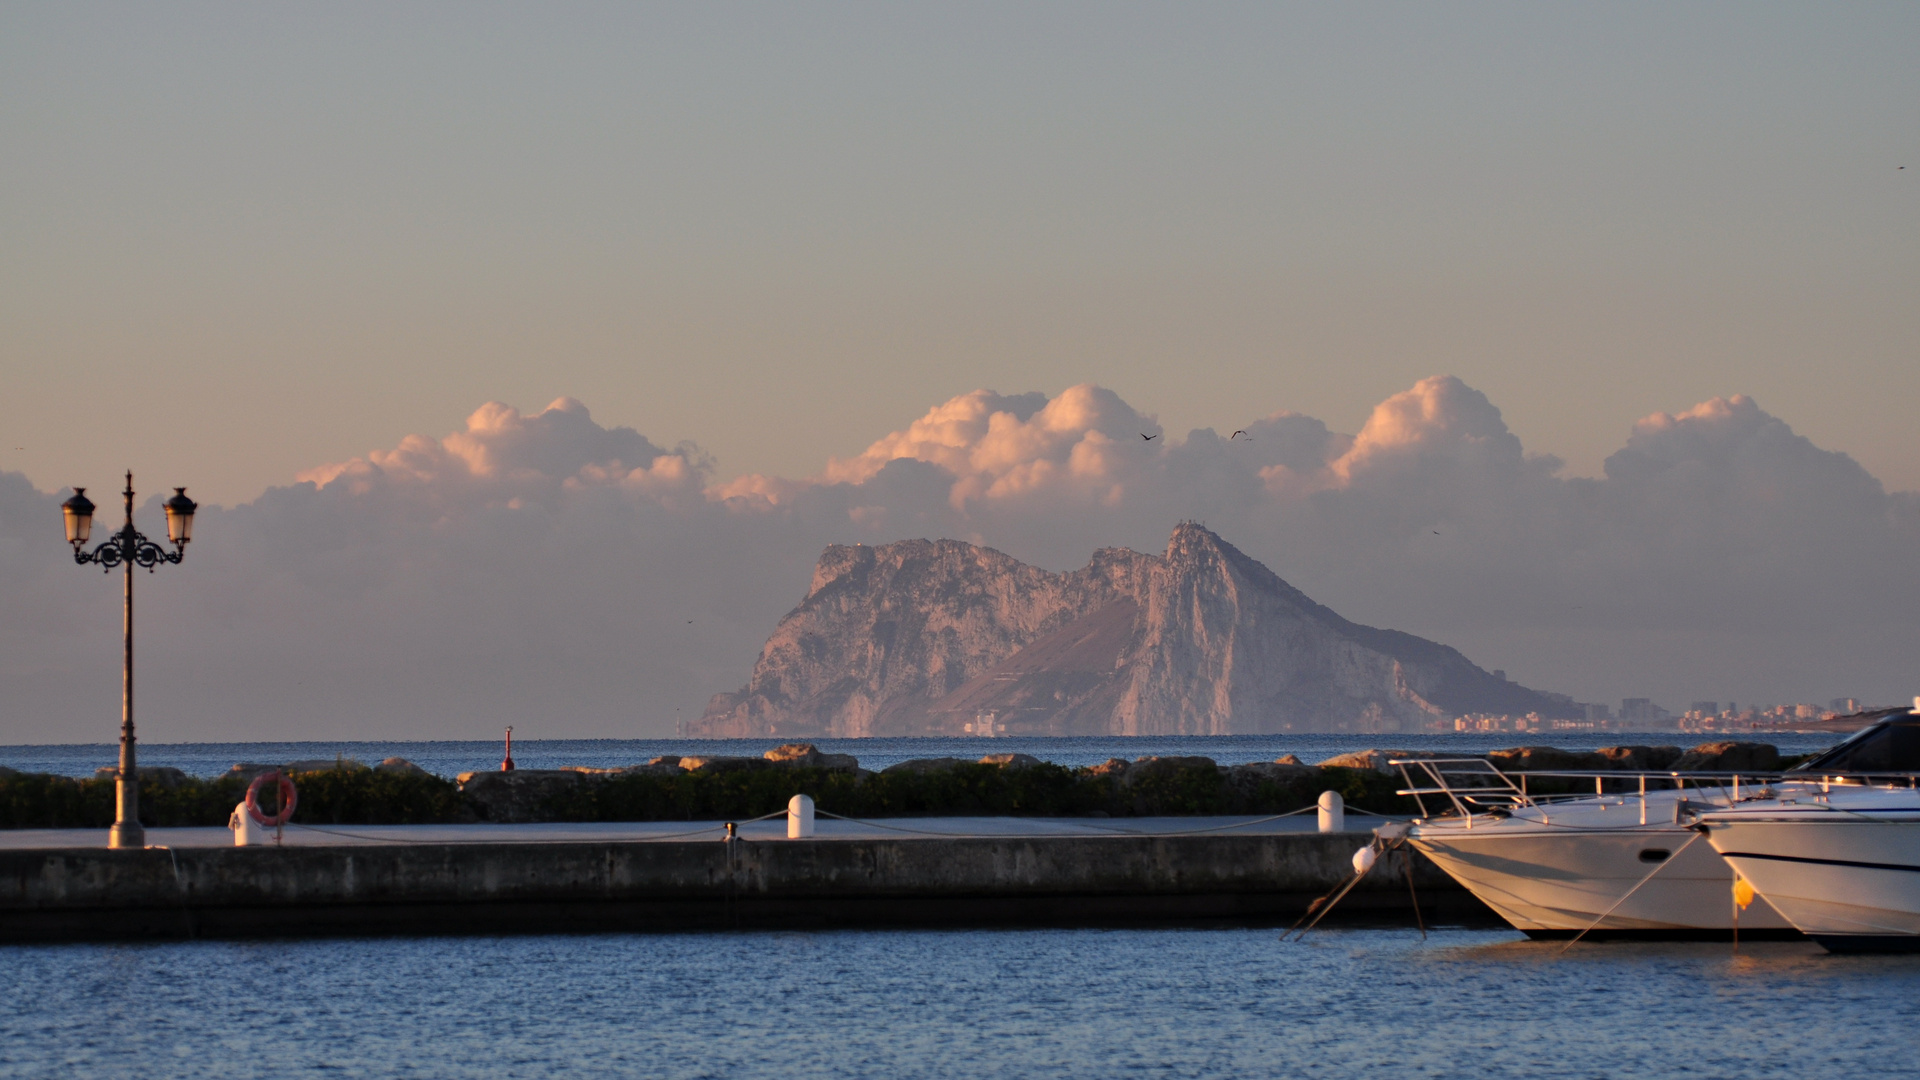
(1011, 761)
(720, 764)
(623, 770)
(808, 756)
(165, 775)
(400, 766)
(1113, 767)
(519, 796)
(1147, 769)
(1729, 757)
(333, 764)
(921, 766)
(1375, 760)
(247, 770)
(1639, 758)
(1546, 759)
(1278, 772)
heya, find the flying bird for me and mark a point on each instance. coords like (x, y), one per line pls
(1237, 434)
(1148, 437)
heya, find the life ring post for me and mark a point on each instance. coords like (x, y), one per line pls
(289, 798)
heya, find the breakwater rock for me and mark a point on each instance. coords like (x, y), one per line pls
(1707, 757)
(708, 788)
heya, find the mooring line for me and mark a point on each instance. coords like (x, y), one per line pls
(1419, 919)
(566, 840)
(180, 883)
(1664, 863)
(1111, 829)
(1332, 900)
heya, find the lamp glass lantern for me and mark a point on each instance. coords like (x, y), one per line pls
(79, 514)
(180, 517)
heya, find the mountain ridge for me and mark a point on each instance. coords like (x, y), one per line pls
(929, 637)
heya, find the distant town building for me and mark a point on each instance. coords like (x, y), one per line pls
(1597, 712)
(1639, 708)
(986, 724)
(1706, 708)
(1532, 721)
(1844, 705)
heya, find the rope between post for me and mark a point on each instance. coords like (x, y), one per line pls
(1113, 829)
(570, 840)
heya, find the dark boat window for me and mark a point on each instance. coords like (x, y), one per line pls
(1654, 854)
(1891, 746)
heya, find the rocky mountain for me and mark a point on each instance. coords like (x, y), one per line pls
(944, 638)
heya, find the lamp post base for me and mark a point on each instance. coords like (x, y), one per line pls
(127, 831)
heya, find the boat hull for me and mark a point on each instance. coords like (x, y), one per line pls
(1558, 881)
(1850, 882)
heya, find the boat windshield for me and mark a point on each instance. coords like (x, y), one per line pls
(1890, 746)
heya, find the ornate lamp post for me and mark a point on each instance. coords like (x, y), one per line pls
(129, 549)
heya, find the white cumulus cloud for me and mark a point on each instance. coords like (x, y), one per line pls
(576, 579)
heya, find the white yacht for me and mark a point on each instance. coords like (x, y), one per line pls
(1838, 856)
(1557, 866)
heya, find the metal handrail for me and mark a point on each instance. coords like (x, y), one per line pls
(1461, 796)
(1507, 795)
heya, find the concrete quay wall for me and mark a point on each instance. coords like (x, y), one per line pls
(53, 894)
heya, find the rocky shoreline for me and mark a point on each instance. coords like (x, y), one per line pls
(706, 788)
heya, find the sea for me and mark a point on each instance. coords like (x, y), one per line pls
(1200, 1001)
(450, 758)
(892, 1005)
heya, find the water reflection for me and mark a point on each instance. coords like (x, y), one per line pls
(1184, 1002)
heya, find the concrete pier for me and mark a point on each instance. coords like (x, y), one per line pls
(392, 884)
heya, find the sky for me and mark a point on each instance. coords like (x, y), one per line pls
(243, 244)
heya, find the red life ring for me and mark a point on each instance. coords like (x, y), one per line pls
(288, 798)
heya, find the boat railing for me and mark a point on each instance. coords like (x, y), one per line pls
(1475, 787)
(1468, 786)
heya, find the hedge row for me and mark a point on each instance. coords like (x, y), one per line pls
(363, 797)
(965, 790)
(360, 797)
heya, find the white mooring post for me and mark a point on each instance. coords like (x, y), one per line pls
(799, 817)
(1333, 812)
(246, 831)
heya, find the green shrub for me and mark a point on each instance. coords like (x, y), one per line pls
(1044, 790)
(366, 797)
(338, 797)
(38, 801)
(191, 802)
(370, 797)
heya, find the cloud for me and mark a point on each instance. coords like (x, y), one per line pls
(577, 579)
(507, 459)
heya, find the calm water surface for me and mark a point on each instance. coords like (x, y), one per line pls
(450, 758)
(1094, 1003)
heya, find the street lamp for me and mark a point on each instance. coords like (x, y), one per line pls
(130, 549)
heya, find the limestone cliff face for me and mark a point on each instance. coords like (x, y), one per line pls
(939, 637)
